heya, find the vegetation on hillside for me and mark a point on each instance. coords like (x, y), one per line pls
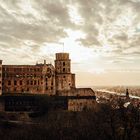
(104, 123)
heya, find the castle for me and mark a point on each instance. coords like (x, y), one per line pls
(43, 79)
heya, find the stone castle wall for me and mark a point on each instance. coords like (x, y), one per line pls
(36, 79)
(44, 79)
(78, 103)
(77, 92)
(39, 78)
(81, 104)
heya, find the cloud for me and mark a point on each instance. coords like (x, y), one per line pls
(110, 23)
(40, 21)
(111, 26)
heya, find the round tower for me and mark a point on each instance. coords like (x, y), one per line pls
(63, 72)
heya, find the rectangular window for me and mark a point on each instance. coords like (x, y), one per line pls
(20, 82)
(28, 82)
(9, 82)
(15, 82)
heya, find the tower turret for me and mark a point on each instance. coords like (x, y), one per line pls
(62, 63)
(65, 80)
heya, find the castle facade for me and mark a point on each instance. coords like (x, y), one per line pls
(42, 79)
(39, 78)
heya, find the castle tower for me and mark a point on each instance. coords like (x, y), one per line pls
(65, 80)
(62, 63)
(0, 77)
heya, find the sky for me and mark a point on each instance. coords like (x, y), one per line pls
(102, 37)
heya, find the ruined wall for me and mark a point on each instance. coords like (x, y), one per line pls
(42, 78)
(81, 104)
(77, 92)
(31, 103)
(39, 78)
(63, 82)
(84, 99)
(85, 92)
(35, 79)
(48, 79)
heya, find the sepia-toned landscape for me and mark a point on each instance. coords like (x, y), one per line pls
(69, 69)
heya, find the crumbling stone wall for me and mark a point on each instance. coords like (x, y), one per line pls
(35, 79)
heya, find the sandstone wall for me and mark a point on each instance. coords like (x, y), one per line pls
(81, 104)
(35, 79)
(77, 92)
